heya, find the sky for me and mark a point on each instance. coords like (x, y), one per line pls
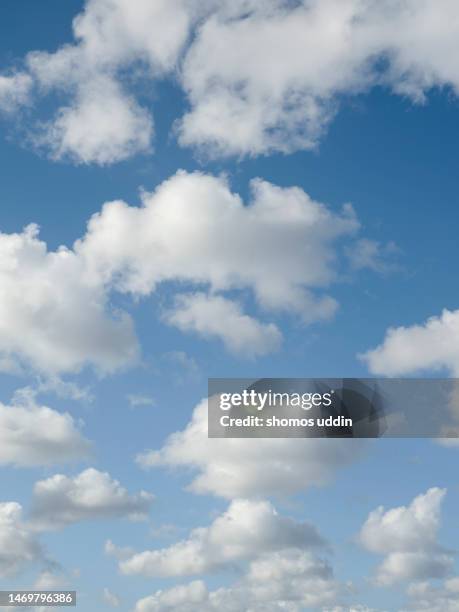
(223, 189)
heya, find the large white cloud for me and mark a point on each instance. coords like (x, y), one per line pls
(50, 317)
(32, 435)
(62, 500)
(433, 345)
(407, 535)
(290, 580)
(271, 78)
(56, 312)
(246, 530)
(238, 467)
(103, 125)
(194, 229)
(258, 76)
(18, 545)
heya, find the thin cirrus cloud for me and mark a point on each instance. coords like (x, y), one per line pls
(56, 312)
(407, 536)
(258, 77)
(249, 468)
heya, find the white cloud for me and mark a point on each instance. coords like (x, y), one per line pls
(290, 581)
(194, 229)
(18, 546)
(111, 599)
(33, 435)
(49, 581)
(407, 535)
(258, 76)
(271, 77)
(139, 399)
(56, 313)
(407, 350)
(215, 316)
(15, 91)
(103, 126)
(182, 598)
(243, 532)
(442, 598)
(50, 317)
(61, 500)
(238, 467)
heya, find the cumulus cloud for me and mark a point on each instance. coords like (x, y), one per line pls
(61, 500)
(18, 546)
(407, 535)
(33, 435)
(271, 78)
(433, 345)
(56, 307)
(218, 317)
(50, 317)
(104, 125)
(194, 229)
(291, 580)
(441, 598)
(238, 467)
(244, 531)
(258, 77)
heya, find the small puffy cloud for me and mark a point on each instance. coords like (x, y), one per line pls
(433, 345)
(61, 500)
(238, 467)
(33, 435)
(18, 546)
(291, 580)
(218, 317)
(243, 532)
(103, 126)
(51, 318)
(407, 535)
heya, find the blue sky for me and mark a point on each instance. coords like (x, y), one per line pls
(385, 151)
